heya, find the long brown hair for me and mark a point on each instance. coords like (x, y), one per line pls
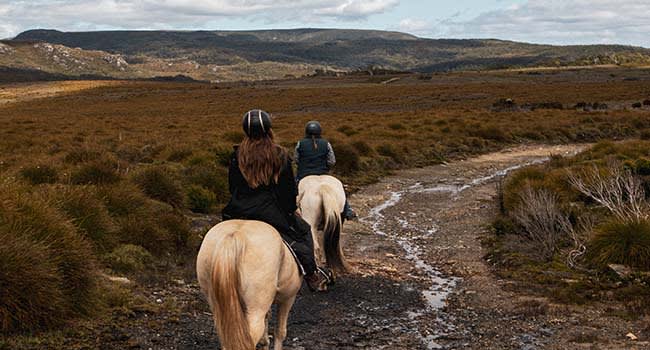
(261, 160)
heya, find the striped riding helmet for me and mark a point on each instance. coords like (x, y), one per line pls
(256, 123)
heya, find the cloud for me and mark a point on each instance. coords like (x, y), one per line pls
(560, 22)
(415, 26)
(88, 15)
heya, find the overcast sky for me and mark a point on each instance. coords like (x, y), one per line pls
(539, 21)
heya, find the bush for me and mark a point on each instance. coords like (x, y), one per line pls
(363, 148)
(492, 133)
(211, 177)
(141, 228)
(128, 258)
(96, 173)
(543, 221)
(388, 150)
(88, 212)
(619, 242)
(31, 296)
(200, 199)
(38, 228)
(223, 155)
(179, 155)
(159, 183)
(81, 155)
(645, 135)
(504, 226)
(122, 199)
(39, 174)
(347, 130)
(347, 159)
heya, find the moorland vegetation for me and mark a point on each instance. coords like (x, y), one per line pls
(110, 180)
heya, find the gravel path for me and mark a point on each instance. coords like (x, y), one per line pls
(419, 279)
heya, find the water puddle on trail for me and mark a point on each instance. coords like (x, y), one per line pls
(401, 231)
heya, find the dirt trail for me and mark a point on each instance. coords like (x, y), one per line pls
(419, 279)
(19, 92)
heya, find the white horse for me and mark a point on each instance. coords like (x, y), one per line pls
(243, 267)
(321, 199)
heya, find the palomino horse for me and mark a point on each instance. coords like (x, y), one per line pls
(243, 267)
(321, 199)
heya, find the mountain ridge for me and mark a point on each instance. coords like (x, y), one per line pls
(264, 54)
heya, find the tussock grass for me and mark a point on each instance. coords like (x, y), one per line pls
(46, 243)
(132, 158)
(159, 182)
(39, 174)
(617, 242)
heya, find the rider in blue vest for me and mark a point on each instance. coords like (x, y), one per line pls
(315, 156)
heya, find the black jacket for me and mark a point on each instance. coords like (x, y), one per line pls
(274, 204)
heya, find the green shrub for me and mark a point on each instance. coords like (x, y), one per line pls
(645, 134)
(363, 148)
(81, 155)
(642, 166)
(200, 199)
(494, 133)
(122, 199)
(347, 159)
(31, 297)
(179, 155)
(223, 155)
(211, 177)
(39, 174)
(58, 246)
(128, 258)
(96, 173)
(87, 211)
(347, 130)
(396, 126)
(141, 228)
(504, 226)
(517, 181)
(388, 150)
(626, 243)
(159, 183)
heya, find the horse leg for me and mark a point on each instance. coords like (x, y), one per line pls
(281, 328)
(319, 253)
(265, 343)
(257, 323)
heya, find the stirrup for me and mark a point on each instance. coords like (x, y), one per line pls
(327, 273)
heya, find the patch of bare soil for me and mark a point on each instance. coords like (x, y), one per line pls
(419, 280)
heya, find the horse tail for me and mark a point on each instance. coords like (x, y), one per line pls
(229, 307)
(332, 229)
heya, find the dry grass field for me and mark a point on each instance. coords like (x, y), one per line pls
(103, 177)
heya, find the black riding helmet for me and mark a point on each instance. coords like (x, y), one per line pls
(313, 128)
(256, 123)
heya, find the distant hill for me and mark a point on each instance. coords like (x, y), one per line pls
(227, 55)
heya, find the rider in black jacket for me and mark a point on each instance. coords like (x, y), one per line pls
(271, 200)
